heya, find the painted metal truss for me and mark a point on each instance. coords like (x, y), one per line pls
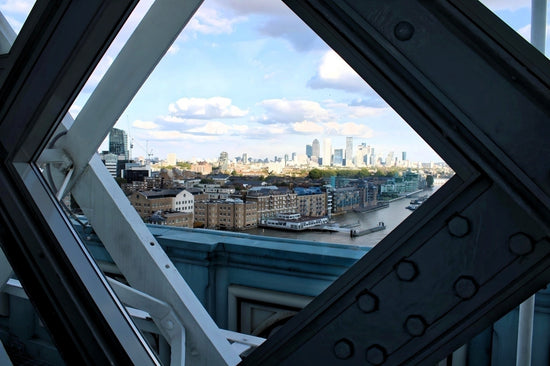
(479, 95)
(470, 86)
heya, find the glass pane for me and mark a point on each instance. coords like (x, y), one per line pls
(250, 94)
(250, 122)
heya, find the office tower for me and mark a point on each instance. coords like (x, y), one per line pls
(223, 161)
(118, 143)
(362, 155)
(338, 157)
(404, 156)
(309, 151)
(171, 159)
(316, 148)
(327, 151)
(389, 159)
(245, 158)
(349, 151)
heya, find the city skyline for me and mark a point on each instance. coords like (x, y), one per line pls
(250, 77)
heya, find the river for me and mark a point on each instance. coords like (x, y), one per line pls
(390, 216)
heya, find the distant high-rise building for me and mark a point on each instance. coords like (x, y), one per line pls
(309, 151)
(338, 157)
(362, 155)
(404, 156)
(245, 158)
(118, 143)
(349, 151)
(327, 151)
(171, 159)
(389, 159)
(293, 156)
(316, 148)
(223, 161)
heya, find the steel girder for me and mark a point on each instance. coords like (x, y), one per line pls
(479, 95)
(52, 57)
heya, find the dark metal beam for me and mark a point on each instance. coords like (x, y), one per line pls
(479, 95)
(56, 51)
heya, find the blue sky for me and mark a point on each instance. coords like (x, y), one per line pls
(247, 76)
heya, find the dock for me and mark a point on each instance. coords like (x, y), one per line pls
(355, 233)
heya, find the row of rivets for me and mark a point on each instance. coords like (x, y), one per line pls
(375, 354)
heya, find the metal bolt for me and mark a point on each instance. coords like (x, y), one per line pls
(367, 302)
(465, 287)
(415, 325)
(376, 355)
(520, 244)
(343, 349)
(169, 324)
(403, 31)
(458, 226)
(406, 270)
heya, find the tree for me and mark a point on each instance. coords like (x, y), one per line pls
(315, 174)
(429, 181)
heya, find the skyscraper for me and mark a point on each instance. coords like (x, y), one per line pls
(338, 157)
(327, 151)
(118, 143)
(223, 161)
(349, 151)
(309, 151)
(316, 148)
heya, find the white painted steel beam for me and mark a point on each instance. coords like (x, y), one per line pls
(7, 35)
(5, 271)
(131, 68)
(145, 264)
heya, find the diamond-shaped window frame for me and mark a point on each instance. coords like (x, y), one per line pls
(59, 46)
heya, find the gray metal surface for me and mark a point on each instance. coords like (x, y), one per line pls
(479, 95)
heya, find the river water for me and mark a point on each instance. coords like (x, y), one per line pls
(390, 216)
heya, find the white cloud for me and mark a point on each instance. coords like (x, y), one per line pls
(174, 135)
(205, 108)
(333, 72)
(218, 128)
(362, 111)
(506, 4)
(348, 129)
(145, 125)
(17, 6)
(288, 111)
(308, 127)
(173, 50)
(209, 21)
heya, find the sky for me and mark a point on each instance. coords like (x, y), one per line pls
(248, 76)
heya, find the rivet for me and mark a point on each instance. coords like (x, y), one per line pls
(403, 31)
(406, 270)
(458, 226)
(415, 325)
(465, 287)
(376, 355)
(168, 324)
(520, 244)
(367, 302)
(167, 266)
(343, 349)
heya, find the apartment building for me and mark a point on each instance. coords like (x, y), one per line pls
(229, 214)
